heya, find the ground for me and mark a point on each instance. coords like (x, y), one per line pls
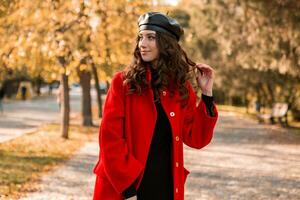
(245, 160)
(74, 180)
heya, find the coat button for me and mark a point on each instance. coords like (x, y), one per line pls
(177, 138)
(177, 164)
(164, 93)
(172, 114)
(176, 190)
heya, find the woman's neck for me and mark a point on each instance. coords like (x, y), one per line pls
(154, 64)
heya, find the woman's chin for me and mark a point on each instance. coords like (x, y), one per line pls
(148, 59)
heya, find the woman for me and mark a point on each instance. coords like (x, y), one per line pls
(150, 111)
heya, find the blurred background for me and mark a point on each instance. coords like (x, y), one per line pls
(57, 57)
(253, 45)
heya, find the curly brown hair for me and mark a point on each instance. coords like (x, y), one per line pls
(173, 67)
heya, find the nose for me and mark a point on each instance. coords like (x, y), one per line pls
(142, 43)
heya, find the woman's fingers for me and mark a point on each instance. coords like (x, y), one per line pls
(205, 69)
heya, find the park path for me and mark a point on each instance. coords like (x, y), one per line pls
(245, 160)
(72, 181)
(21, 117)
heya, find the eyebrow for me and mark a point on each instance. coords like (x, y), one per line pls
(147, 34)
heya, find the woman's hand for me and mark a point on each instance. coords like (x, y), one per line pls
(205, 78)
(132, 198)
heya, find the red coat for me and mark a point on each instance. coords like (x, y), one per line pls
(125, 135)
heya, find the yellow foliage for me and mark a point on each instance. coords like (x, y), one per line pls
(41, 32)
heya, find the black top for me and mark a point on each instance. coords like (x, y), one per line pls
(157, 182)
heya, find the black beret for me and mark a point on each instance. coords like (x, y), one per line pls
(160, 22)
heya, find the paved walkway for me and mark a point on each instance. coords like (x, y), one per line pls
(244, 161)
(73, 181)
(20, 117)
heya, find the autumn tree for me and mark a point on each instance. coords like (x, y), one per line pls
(254, 45)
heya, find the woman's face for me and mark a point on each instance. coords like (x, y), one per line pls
(147, 45)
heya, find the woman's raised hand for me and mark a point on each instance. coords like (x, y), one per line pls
(205, 78)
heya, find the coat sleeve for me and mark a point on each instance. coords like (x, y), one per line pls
(198, 126)
(120, 166)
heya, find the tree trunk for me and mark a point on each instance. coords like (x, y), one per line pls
(246, 102)
(38, 85)
(271, 92)
(65, 105)
(86, 101)
(99, 92)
